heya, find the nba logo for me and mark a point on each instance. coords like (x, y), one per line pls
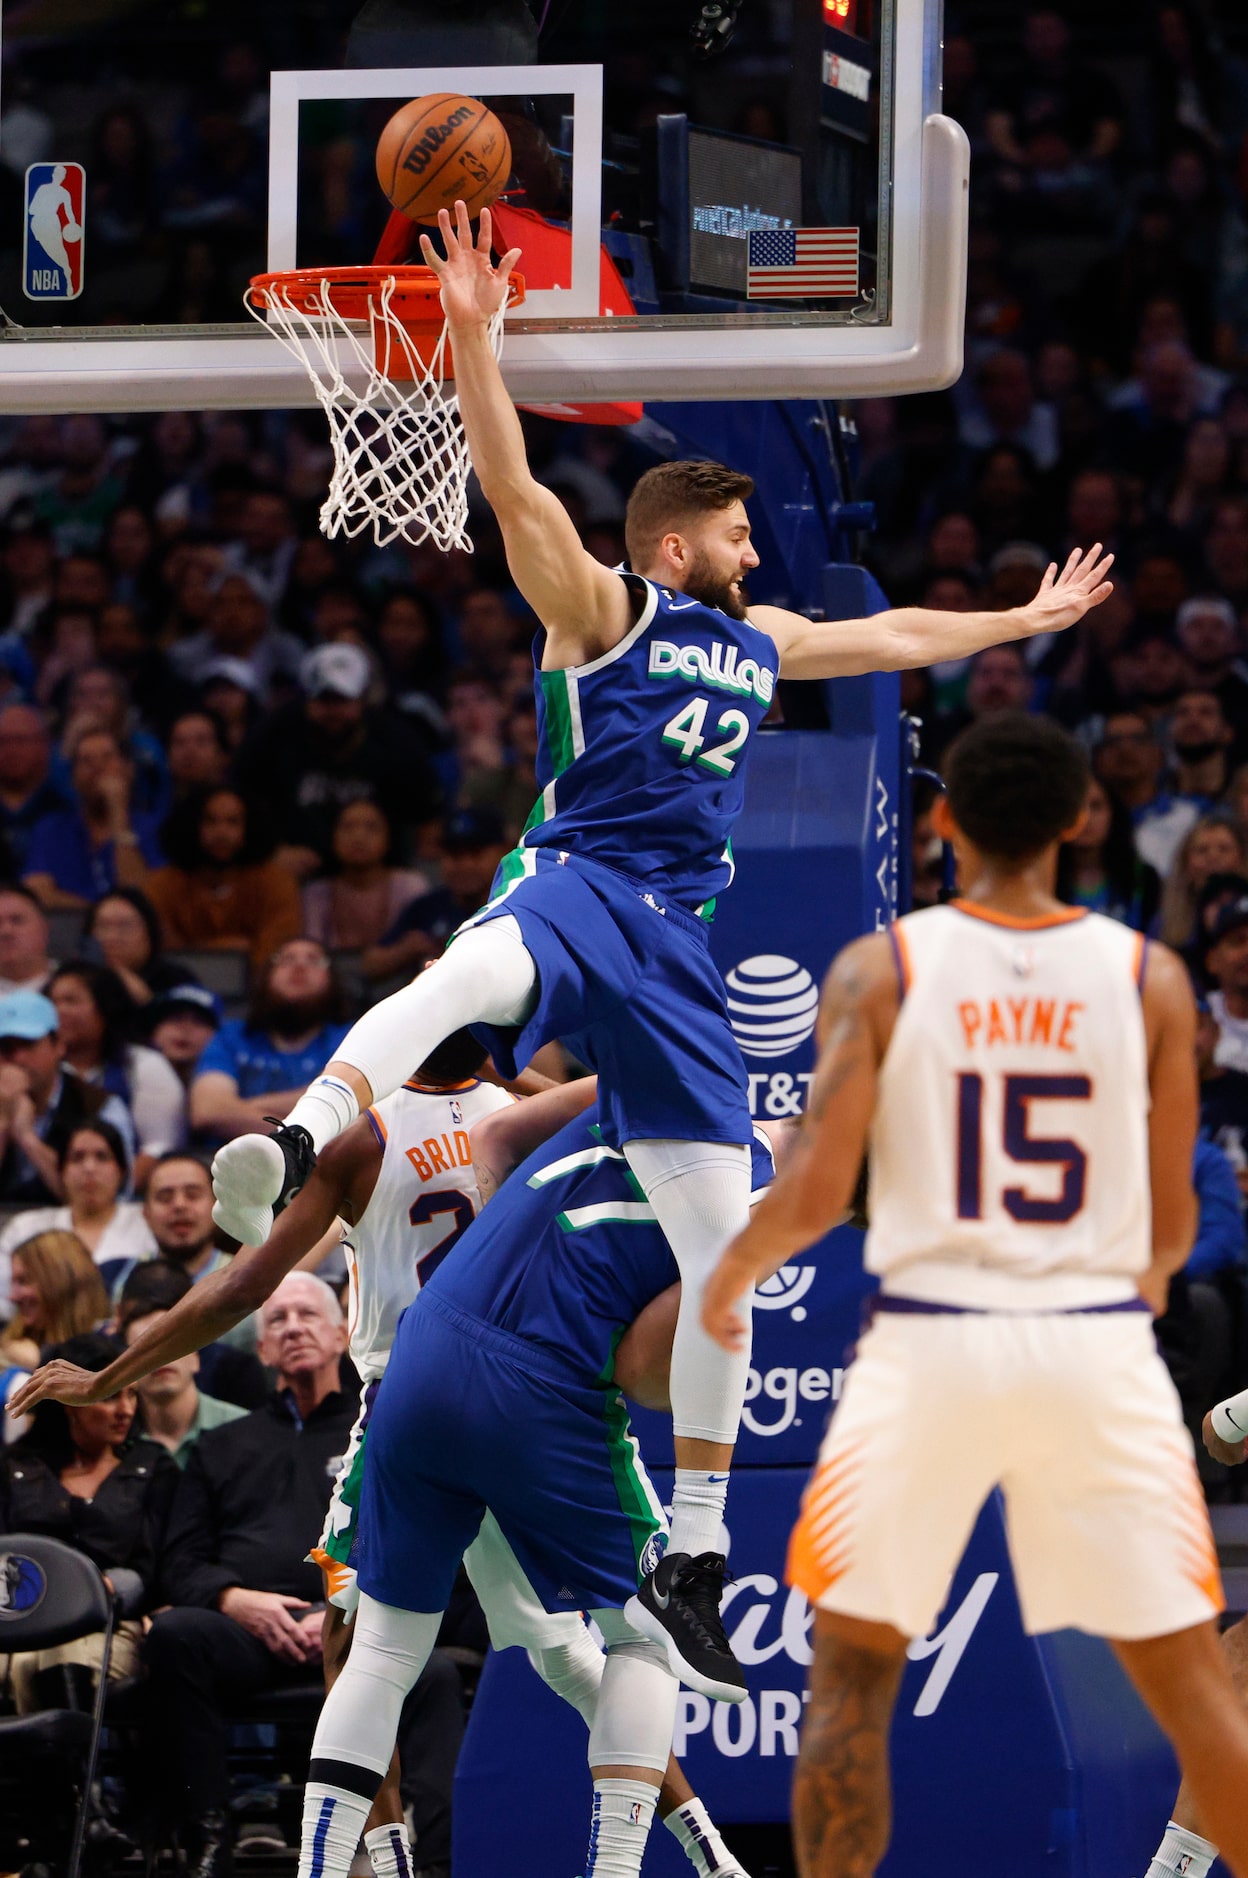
(52, 247)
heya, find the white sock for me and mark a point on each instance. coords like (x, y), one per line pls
(695, 1832)
(333, 1820)
(619, 1827)
(1182, 1851)
(698, 1501)
(325, 1108)
(390, 1851)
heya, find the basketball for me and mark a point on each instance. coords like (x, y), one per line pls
(440, 149)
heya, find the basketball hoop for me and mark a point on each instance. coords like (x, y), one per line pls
(400, 454)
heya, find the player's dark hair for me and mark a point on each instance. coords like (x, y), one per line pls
(456, 1059)
(1016, 784)
(156, 1285)
(673, 494)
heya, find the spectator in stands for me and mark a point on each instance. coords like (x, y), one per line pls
(26, 792)
(229, 1371)
(1008, 412)
(183, 1022)
(173, 1409)
(24, 961)
(1101, 870)
(413, 656)
(999, 680)
(1226, 961)
(198, 755)
(1130, 761)
(94, 1169)
(365, 894)
(1223, 1098)
(1215, 845)
(52, 1290)
(266, 544)
(27, 562)
(95, 1013)
(86, 1477)
(98, 698)
(1201, 739)
(260, 1065)
(76, 505)
(1197, 1333)
(222, 889)
(238, 626)
(78, 853)
(42, 1101)
(489, 632)
(123, 929)
(230, 694)
(1209, 637)
(473, 843)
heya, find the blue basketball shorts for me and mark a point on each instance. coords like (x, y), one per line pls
(627, 982)
(470, 1418)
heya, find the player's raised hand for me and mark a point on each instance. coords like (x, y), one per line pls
(1066, 596)
(473, 289)
(60, 1381)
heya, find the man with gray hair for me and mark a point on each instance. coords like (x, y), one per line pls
(1208, 631)
(247, 1613)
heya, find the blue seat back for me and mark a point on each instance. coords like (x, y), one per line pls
(49, 1594)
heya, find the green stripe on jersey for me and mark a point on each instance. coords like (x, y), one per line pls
(563, 719)
(632, 1484)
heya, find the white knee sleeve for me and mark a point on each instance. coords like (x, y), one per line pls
(700, 1191)
(360, 1720)
(574, 1670)
(636, 1711)
(487, 977)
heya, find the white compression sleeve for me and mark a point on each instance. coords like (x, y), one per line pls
(700, 1191)
(574, 1671)
(636, 1712)
(357, 1730)
(486, 977)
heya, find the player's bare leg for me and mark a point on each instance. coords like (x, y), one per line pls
(842, 1796)
(390, 1851)
(1185, 1837)
(1187, 1682)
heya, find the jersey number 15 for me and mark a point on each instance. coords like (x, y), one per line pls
(1021, 1147)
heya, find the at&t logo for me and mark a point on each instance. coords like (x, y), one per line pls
(772, 1004)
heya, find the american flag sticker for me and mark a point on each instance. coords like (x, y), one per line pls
(802, 264)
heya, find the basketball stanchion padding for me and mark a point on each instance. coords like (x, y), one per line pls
(400, 454)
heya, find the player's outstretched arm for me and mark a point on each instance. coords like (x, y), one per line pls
(502, 1140)
(217, 1303)
(1173, 1118)
(813, 1187)
(582, 604)
(915, 635)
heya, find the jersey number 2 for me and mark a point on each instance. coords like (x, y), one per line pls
(430, 1206)
(1021, 1146)
(684, 734)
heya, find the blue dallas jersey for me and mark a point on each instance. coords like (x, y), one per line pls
(641, 754)
(565, 1255)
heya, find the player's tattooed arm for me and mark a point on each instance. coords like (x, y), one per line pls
(812, 1190)
(502, 1140)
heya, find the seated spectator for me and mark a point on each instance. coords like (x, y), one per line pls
(1208, 634)
(198, 755)
(122, 927)
(1223, 1098)
(1226, 962)
(413, 657)
(261, 1064)
(53, 1291)
(27, 792)
(1216, 845)
(239, 627)
(222, 889)
(228, 1371)
(99, 699)
(173, 1409)
(1201, 739)
(1197, 1333)
(183, 1022)
(85, 1476)
(27, 561)
(266, 545)
(473, 843)
(366, 893)
(94, 1013)
(24, 961)
(94, 1171)
(78, 853)
(42, 1101)
(1101, 870)
(1130, 761)
(327, 748)
(999, 680)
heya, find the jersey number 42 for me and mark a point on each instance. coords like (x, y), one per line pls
(684, 734)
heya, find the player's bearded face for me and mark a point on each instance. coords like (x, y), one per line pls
(717, 584)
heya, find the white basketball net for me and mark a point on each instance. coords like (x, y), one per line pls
(400, 455)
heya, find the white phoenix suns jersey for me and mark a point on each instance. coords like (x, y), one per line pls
(1010, 1137)
(425, 1197)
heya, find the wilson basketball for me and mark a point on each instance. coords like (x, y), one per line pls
(440, 149)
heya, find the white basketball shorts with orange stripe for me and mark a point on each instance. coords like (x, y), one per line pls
(1072, 1414)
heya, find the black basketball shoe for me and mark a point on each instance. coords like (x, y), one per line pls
(678, 1608)
(300, 1158)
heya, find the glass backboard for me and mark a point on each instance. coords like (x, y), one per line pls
(755, 198)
